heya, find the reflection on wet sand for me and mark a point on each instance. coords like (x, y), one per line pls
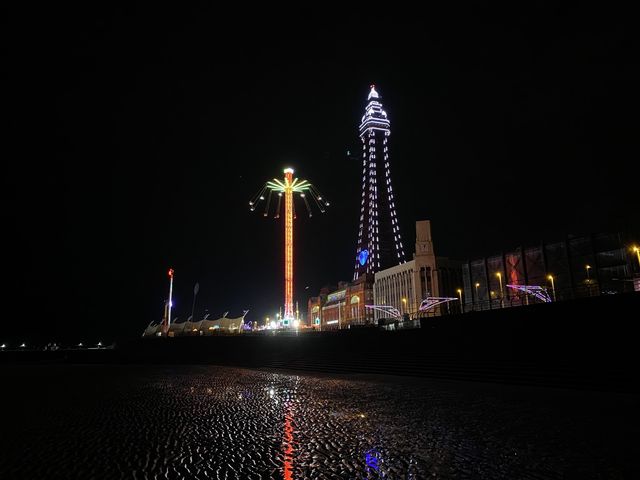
(183, 422)
(288, 444)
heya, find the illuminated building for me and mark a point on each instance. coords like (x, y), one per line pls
(403, 287)
(287, 187)
(379, 241)
(314, 308)
(342, 307)
(577, 266)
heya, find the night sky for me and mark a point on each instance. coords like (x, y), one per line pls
(137, 137)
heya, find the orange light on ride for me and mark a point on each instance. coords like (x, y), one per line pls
(287, 187)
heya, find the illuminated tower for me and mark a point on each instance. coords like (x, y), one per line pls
(287, 187)
(379, 241)
(288, 243)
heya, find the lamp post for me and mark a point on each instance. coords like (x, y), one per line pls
(170, 296)
(499, 275)
(636, 249)
(477, 286)
(460, 297)
(553, 287)
(404, 305)
(588, 279)
(196, 289)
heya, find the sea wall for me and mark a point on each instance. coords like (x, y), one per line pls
(588, 343)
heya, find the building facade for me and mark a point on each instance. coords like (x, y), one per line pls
(342, 307)
(379, 241)
(314, 309)
(403, 287)
(577, 266)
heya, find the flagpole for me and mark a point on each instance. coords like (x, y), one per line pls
(170, 297)
(169, 306)
(196, 289)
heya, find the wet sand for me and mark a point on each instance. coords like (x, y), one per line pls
(158, 422)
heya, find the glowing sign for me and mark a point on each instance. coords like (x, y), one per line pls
(363, 256)
(336, 296)
(317, 321)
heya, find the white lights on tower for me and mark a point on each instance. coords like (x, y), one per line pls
(374, 131)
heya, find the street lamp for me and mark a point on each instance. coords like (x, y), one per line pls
(168, 324)
(477, 286)
(266, 323)
(499, 275)
(460, 297)
(553, 286)
(404, 305)
(636, 249)
(588, 280)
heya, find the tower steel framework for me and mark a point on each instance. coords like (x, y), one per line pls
(379, 241)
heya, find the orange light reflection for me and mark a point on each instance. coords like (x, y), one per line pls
(288, 445)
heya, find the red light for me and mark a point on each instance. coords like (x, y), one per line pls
(171, 272)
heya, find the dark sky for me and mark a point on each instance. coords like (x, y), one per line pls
(138, 135)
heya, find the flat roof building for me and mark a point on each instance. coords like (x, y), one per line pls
(576, 266)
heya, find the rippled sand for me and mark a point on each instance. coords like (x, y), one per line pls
(205, 422)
